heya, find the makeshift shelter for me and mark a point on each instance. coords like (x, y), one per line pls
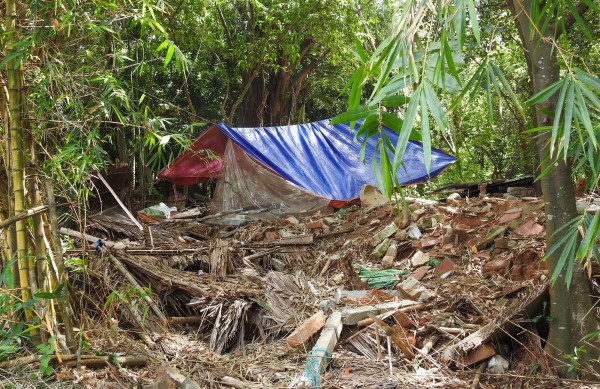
(299, 167)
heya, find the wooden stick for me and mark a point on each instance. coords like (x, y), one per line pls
(185, 319)
(123, 207)
(389, 343)
(237, 384)
(429, 345)
(136, 284)
(72, 359)
(28, 213)
(100, 362)
(369, 321)
(330, 234)
(261, 254)
(325, 267)
(91, 238)
(480, 370)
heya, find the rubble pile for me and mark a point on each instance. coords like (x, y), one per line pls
(431, 294)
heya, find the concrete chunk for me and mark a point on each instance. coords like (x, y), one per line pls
(352, 316)
(385, 233)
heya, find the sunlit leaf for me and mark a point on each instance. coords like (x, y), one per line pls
(405, 131)
(354, 114)
(425, 133)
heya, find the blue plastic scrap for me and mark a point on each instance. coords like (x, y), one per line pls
(312, 369)
(324, 159)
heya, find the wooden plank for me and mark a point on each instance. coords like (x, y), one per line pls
(320, 355)
(307, 329)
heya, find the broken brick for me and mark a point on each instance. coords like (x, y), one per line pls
(419, 273)
(403, 320)
(498, 266)
(307, 329)
(530, 227)
(314, 225)
(478, 354)
(510, 215)
(272, 235)
(446, 266)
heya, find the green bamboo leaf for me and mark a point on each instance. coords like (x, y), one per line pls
(389, 62)
(507, 88)
(592, 99)
(394, 87)
(569, 250)
(356, 90)
(568, 119)
(368, 127)
(405, 131)
(392, 122)
(585, 115)
(395, 101)
(450, 61)
(588, 79)
(565, 254)
(488, 93)
(578, 19)
(558, 111)
(471, 87)
(594, 6)
(354, 114)
(545, 94)
(386, 171)
(492, 77)
(562, 234)
(473, 18)
(363, 151)
(377, 170)
(360, 52)
(589, 238)
(437, 111)
(169, 55)
(164, 44)
(425, 133)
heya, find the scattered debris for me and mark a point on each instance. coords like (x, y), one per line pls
(380, 295)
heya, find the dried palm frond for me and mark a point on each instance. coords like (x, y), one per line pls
(220, 260)
(229, 326)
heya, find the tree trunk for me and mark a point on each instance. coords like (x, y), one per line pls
(570, 306)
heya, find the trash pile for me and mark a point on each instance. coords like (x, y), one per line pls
(435, 294)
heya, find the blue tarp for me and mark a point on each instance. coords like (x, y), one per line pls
(324, 158)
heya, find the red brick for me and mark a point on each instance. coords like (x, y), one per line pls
(314, 225)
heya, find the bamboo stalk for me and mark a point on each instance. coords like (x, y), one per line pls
(110, 189)
(65, 307)
(17, 157)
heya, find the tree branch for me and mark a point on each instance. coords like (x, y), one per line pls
(225, 27)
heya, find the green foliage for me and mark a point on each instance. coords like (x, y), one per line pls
(46, 351)
(15, 334)
(574, 360)
(574, 247)
(128, 296)
(416, 74)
